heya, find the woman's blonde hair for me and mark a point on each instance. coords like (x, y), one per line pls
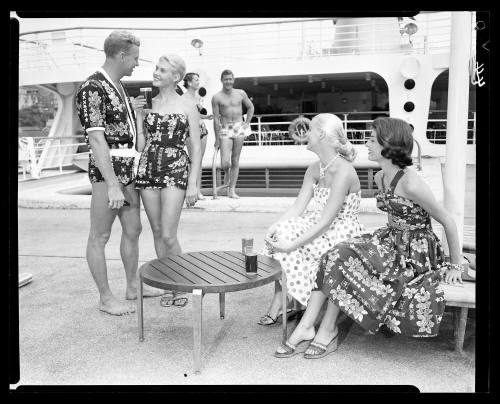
(177, 63)
(332, 127)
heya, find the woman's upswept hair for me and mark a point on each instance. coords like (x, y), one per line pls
(177, 63)
(395, 135)
(119, 41)
(332, 126)
(188, 78)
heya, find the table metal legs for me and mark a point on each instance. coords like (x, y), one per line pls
(222, 304)
(460, 325)
(284, 304)
(139, 307)
(197, 306)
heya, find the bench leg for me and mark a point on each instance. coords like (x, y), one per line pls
(140, 306)
(222, 304)
(284, 305)
(197, 309)
(460, 325)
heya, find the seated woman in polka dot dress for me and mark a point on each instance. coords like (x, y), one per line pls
(308, 230)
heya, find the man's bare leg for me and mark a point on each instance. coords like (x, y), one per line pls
(226, 145)
(101, 220)
(129, 247)
(235, 166)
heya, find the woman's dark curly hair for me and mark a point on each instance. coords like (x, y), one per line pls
(395, 135)
(188, 78)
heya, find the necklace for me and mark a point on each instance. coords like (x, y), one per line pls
(322, 169)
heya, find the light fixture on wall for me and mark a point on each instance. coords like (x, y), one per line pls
(255, 81)
(276, 87)
(368, 76)
(323, 84)
(409, 28)
(309, 79)
(197, 44)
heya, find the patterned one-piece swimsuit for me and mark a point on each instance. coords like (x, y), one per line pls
(164, 162)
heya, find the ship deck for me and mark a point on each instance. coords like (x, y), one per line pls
(65, 340)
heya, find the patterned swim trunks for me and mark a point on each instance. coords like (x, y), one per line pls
(231, 130)
(122, 166)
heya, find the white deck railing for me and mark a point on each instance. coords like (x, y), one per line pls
(294, 40)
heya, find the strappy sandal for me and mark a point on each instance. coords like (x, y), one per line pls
(173, 301)
(322, 350)
(292, 350)
(268, 320)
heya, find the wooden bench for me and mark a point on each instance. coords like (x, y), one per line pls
(463, 297)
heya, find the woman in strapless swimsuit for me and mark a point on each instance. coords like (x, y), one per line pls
(166, 175)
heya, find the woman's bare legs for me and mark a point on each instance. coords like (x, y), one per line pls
(163, 209)
(275, 306)
(305, 329)
(328, 328)
(151, 199)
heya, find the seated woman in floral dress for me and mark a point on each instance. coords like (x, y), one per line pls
(392, 276)
(301, 236)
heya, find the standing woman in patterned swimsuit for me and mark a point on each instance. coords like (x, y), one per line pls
(165, 177)
(192, 83)
(390, 277)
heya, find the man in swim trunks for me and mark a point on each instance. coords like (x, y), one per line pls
(230, 129)
(108, 118)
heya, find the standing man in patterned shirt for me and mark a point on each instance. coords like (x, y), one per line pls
(108, 118)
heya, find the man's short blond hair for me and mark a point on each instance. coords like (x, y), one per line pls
(119, 41)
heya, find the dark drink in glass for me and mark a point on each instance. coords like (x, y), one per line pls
(147, 92)
(251, 264)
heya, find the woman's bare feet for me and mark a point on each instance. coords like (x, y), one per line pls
(298, 335)
(274, 310)
(147, 291)
(112, 305)
(324, 337)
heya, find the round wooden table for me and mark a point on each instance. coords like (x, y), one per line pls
(206, 272)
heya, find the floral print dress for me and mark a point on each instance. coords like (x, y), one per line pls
(164, 162)
(301, 265)
(392, 276)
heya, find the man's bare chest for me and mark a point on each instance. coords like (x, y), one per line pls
(230, 101)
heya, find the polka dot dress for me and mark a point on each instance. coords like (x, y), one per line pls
(302, 264)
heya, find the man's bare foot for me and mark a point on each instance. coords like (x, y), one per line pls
(115, 307)
(147, 291)
(232, 194)
(201, 196)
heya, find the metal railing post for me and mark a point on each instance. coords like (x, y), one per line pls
(59, 151)
(259, 126)
(474, 127)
